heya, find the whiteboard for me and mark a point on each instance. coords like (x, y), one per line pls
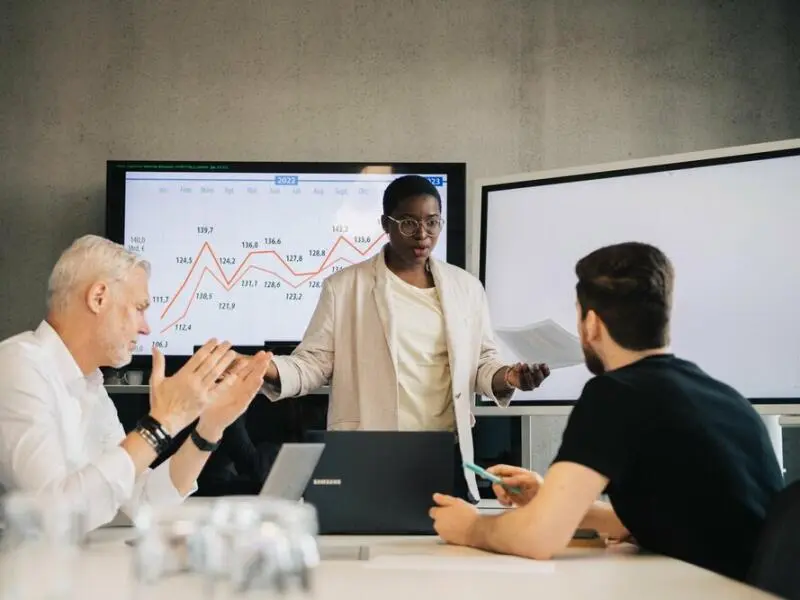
(730, 222)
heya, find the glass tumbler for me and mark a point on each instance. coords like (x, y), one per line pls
(39, 530)
(174, 548)
(270, 546)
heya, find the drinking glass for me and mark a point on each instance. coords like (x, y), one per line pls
(269, 545)
(173, 550)
(39, 529)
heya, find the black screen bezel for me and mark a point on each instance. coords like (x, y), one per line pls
(455, 219)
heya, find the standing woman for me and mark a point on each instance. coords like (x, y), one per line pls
(404, 339)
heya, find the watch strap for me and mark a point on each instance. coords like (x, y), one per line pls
(202, 444)
(153, 433)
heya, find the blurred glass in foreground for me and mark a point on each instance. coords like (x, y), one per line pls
(227, 547)
(40, 542)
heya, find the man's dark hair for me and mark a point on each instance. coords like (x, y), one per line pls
(629, 286)
(405, 187)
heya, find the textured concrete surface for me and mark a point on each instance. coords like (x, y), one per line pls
(505, 85)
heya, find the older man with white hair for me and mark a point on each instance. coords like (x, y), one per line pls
(59, 431)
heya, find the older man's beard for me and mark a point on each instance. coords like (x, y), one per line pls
(122, 357)
(118, 354)
(592, 360)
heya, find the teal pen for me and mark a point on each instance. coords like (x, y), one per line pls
(484, 474)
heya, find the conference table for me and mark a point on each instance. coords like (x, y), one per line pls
(424, 568)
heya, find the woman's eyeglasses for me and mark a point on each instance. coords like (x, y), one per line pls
(409, 226)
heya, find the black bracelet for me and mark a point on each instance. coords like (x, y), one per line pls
(202, 444)
(153, 433)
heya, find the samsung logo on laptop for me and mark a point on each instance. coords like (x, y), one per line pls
(326, 481)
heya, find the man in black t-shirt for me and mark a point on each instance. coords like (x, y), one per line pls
(685, 460)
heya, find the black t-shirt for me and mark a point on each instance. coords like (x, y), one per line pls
(690, 465)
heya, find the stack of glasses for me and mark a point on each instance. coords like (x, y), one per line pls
(230, 547)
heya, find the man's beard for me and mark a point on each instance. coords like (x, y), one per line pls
(592, 360)
(117, 354)
(122, 358)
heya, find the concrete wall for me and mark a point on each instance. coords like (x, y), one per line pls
(505, 85)
(607, 81)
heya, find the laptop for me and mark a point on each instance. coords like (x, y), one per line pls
(287, 479)
(291, 471)
(380, 482)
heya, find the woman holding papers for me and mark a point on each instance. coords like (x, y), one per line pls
(404, 339)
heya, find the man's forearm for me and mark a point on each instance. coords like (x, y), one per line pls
(186, 464)
(141, 453)
(509, 533)
(535, 532)
(602, 518)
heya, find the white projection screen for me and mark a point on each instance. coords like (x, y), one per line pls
(730, 222)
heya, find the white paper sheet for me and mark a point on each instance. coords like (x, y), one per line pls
(543, 342)
(473, 563)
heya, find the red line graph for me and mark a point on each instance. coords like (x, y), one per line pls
(227, 283)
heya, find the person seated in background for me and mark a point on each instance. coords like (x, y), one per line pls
(686, 461)
(404, 339)
(59, 431)
(237, 467)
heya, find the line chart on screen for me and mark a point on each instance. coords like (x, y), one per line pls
(242, 258)
(259, 269)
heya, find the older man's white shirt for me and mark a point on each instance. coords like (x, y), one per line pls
(59, 432)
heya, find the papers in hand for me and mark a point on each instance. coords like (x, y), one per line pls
(543, 342)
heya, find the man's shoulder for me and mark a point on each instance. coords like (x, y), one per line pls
(21, 350)
(26, 338)
(669, 377)
(24, 372)
(606, 397)
(606, 382)
(602, 388)
(641, 377)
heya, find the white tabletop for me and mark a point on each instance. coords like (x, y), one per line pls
(418, 568)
